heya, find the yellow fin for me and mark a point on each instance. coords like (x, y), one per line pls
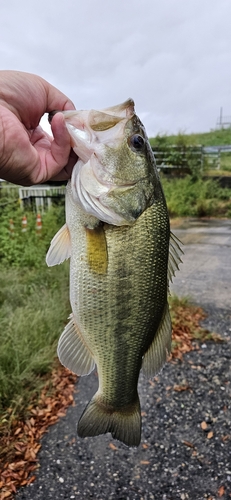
(60, 247)
(97, 250)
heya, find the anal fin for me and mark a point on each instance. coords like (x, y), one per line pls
(73, 353)
(160, 348)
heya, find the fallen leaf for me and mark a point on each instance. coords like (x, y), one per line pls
(210, 435)
(187, 443)
(19, 447)
(221, 491)
(5, 494)
(18, 431)
(180, 388)
(113, 447)
(225, 438)
(144, 462)
(204, 425)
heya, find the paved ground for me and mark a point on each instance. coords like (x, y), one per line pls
(205, 275)
(177, 459)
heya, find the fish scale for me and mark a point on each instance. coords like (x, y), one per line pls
(119, 265)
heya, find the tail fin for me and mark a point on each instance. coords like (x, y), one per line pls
(123, 423)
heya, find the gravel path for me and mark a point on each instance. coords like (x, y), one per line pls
(185, 452)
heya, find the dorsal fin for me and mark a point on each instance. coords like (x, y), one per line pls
(174, 258)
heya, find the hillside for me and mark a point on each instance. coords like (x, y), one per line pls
(212, 138)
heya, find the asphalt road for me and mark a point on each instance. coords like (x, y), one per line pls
(205, 276)
(177, 459)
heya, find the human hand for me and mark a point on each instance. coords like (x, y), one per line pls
(28, 155)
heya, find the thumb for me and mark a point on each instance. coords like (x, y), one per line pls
(61, 145)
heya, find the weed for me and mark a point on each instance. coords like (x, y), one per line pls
(196, 197)
(34, 306)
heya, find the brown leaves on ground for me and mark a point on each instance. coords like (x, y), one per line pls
(221, 491)
(19, 445)
(186, 330)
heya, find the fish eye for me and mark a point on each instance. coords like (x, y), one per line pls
(137, 142)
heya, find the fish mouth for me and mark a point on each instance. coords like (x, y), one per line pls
(98, 185)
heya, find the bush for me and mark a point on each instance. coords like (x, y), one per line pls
(196, 197)
(34, 306)
(27, 249)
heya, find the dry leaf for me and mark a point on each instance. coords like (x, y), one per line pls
(225, 438)
(221, 491)
(204, 425)
(18, 431)
(113, 447)
(144, 462)
(180, 388)
(5, 494)
(210, 435)
(22, 445)
(187, 443)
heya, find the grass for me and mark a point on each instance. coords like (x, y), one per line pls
(33, 313)
(212, 138)
(34, 306)
(196, 197)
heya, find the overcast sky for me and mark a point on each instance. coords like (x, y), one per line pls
(173, 57)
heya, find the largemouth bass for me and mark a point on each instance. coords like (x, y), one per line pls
(122, 256)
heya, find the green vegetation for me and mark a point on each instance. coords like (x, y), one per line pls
(186, 144)
(34, 306)
(188, 192)
(188, 196)
(213, 138)
(34, 299)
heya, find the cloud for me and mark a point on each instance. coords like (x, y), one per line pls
(173, 58)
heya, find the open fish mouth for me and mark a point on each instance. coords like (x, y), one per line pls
(110, 145)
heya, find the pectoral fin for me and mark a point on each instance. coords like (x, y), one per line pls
(97, 250)
(73, 353)
(60, 247)
(160, 348)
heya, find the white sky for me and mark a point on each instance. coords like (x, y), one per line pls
(173, 57)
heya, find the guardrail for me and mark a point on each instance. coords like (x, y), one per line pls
(183, 158)
(40, 198)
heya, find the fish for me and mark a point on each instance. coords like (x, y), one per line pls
(122, 257)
